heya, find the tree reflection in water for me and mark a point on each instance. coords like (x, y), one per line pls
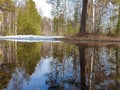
(58, 67)
(7, 62)
(69, 73)
(17, 63)
(82, 68)
(85, 68)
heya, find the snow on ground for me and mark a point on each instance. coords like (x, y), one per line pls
(31, 38)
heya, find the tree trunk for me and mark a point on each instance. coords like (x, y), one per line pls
(119, 21)
(93, 16)
(83, 17)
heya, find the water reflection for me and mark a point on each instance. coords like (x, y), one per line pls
(82, 67)
(7, 62)
(58, 66)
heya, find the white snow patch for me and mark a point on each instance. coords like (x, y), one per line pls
(31, 38)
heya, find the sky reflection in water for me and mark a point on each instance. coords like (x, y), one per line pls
(58, 65)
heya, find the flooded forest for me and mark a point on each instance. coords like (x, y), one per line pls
(68, 63)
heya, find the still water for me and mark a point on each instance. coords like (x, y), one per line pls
(58, 66)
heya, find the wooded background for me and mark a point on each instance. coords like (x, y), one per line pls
(22, 17)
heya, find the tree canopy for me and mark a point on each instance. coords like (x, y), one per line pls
(29, 20)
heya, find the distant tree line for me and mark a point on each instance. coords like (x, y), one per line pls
(68, 18)
(97, 16)
(19, 17)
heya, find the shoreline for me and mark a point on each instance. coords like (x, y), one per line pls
(90, 40)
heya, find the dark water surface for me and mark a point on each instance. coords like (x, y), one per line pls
(58, 66)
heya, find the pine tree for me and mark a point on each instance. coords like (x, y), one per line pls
(29, 20)
(84, 17)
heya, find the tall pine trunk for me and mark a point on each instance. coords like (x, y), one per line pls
(84, 17)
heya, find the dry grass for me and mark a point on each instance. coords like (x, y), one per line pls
(94, 37)
(93, 40)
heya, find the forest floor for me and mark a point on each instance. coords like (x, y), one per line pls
(87, 39)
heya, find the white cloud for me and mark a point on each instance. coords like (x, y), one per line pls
(45, 7)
